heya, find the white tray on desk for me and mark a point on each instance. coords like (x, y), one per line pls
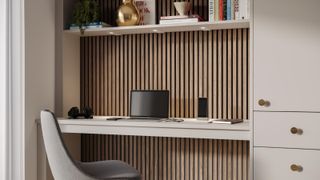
(189, 128)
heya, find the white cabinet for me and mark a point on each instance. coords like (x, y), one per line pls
(287, 55)
(286, 164)
(286, 74)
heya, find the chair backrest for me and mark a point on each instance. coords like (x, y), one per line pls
(61, 164)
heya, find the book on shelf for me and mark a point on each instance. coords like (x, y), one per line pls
(229, 10)
(211, 11)
(221, 10)
(93, 25)
(217, 9)
(225, 10)
(180, 19)
(236, 10)
(232, 10)
(244, 9)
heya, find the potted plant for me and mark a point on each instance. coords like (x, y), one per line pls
(86, 13)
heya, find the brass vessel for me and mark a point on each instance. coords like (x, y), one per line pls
(128, 14)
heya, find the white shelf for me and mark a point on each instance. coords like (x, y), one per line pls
(190, 128)
(145, 29)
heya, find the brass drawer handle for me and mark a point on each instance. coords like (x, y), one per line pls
(295, 130)
(264, 103)
(296, 168)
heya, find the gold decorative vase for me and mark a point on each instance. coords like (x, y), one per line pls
(128, 14)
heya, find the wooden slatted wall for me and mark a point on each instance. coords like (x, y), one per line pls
(211, 64)
(173, 158)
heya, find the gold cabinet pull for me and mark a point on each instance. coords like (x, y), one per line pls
(296, 168)
(264, 103)
(295, 130)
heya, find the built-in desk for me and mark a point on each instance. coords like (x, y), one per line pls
(189, 128)
(158, 144)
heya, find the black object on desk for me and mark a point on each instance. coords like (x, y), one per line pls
(75, 113)
(149, 104)
(203, 108)
(114, 118)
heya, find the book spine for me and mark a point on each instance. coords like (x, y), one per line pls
(225, 10)
(217, 8)
(232, 10)
(236, 9)
(221, 10)
(243, 7)
(229, 9)
(211, 11)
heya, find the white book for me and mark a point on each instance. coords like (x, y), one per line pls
(227, 121)
(179, 21)
(211, 11)
(232, 10)
(248, 8)
(236, 9)
(243, 9)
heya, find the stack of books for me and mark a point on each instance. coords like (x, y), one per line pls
(222, 10)
(93, 25)
(180, 19)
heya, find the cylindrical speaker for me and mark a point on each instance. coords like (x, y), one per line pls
(202, 107)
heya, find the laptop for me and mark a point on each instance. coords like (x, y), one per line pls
(149, 104)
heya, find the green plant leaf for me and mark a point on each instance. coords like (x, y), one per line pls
(85, 12)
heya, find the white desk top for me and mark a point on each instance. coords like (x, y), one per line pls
(189, 128)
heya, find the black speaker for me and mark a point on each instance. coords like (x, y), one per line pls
(202, 107)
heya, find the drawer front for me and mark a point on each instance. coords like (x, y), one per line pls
(276, 164)
(290, 130)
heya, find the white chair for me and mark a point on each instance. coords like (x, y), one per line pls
(63, 167)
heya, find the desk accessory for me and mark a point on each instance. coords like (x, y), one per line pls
(183, 8)
(203, 108)
(74, 113)
(149, 104)
(128, 14)
(113, 118)
(147, 11)
(225, 121)
(172, 120)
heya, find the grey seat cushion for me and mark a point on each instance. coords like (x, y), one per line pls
(111, 169)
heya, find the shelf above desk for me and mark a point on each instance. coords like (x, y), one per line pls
(163, 28)
(190, 128)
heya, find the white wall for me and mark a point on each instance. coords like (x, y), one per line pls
(67, 84)
(3, 90)
(39, 73)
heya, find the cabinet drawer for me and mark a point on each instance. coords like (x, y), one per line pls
(290, 130)
(275, 164)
